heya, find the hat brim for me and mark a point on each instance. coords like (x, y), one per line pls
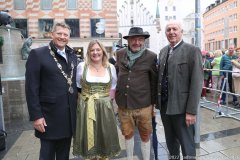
(144, 35)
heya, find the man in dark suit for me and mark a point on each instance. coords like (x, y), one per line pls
(51, 94)
(179, 88)
(136, 90)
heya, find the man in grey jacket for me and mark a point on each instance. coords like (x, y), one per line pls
(136, 90)
(179, 88)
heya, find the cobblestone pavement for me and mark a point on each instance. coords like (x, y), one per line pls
(220, 140)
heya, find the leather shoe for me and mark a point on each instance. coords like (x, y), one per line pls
(223, 103)
(235, 103)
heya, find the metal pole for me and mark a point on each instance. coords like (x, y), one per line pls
(197, 24)
(198, 44)
(2, 125)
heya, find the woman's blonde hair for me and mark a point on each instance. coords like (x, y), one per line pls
(105, 56)
(217, 53)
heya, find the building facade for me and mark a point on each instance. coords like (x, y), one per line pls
(221, 22)
(88, 19)
(152, 16)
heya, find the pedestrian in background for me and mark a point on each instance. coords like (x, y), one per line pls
(236, 74)
(180, 78)
(112, 59)
(51, 94)
(216, 83)
(136, 90)
(226, 64)
(209, 57)
(206, 66)
(96, 132)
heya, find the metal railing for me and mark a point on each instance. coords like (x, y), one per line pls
(219, 109)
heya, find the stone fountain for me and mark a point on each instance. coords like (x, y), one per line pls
(12, 71)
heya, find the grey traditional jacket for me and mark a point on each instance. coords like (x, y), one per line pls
(185, 78)
(136, 86)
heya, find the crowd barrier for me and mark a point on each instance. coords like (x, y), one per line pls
(220, 110)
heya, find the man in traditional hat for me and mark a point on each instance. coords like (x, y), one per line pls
(136, 90)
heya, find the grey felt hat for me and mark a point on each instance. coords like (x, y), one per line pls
(136, 31)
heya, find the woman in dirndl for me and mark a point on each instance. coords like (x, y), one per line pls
(96, 134)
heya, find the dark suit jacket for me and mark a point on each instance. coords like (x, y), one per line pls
(136, 86)
(185, 77)
(47, 92)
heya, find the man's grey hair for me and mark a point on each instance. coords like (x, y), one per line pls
(61, 24)
(178, 23)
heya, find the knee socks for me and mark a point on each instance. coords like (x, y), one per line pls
(145, 148)
(129, 148)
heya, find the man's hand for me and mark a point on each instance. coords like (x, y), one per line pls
(40, 124)
(190, 119)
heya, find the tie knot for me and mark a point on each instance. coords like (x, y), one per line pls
(61, 52)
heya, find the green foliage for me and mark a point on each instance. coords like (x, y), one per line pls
(1, 41)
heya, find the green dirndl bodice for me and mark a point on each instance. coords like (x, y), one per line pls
(95, 109)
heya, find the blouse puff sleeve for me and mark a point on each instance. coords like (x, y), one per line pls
(114, 76)
(114, 81)
(79, 74)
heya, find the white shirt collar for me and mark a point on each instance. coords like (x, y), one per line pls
(62, 53)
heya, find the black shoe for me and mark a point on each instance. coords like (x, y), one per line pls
(237, 106)
(223, 103)
(235, 103)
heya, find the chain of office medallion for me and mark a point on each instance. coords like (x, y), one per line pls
(69, 79)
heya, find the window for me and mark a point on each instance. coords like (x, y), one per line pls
(166, 8)
(235, 41)
(79, 52)
(98, 27)
(46, 4)
(19, 4)
(174, 8)
(72, 4)
(235, 29)
(96, 5)
(22, 24)
(74, 25)
(166, 18)
(45, 27)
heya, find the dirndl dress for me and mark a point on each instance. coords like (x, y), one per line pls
(96, 129)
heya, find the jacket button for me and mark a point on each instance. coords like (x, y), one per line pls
(125, 94)
(159, 94)
(127, 86)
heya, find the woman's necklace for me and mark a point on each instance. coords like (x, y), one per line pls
(97, 68)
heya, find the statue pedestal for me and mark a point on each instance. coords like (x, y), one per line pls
(14, 101)
(12, 73)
